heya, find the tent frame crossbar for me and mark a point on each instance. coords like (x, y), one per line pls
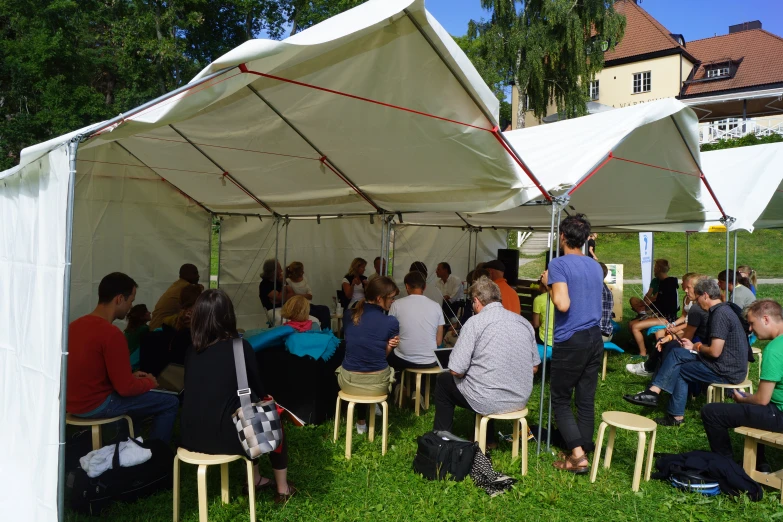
(322, 157)
(225, 174)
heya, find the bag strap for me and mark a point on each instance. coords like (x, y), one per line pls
(243, 391)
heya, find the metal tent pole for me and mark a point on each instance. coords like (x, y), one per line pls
(470, 247)
(475, 246)
(734, 272)
(384, 242)
(546, 336)
(390, 235)
(73, 147)
(277, 244)
(728, 240)
(286, 222)
(549, 415)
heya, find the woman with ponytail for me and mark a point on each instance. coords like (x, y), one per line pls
(370, 334)
(750, 274)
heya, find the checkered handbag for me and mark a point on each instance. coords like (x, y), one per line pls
(258, 424)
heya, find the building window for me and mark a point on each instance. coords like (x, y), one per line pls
(594, 90)
(727, 124)
(642, 82)
(718, 72)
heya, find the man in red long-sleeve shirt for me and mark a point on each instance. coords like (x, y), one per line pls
(100, 381)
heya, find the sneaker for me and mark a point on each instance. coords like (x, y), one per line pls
(361, 429)
(669, 420)
(638, 369)
(643, 398)
(378, 410)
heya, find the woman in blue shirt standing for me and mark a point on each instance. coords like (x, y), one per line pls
(370, 334)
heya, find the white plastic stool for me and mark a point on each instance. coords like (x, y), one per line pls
(202, 460)
(352, 401)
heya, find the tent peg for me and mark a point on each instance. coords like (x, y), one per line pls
(399, 216)
(318, 218)
(372, 219)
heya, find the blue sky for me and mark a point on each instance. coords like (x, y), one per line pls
(695, 19)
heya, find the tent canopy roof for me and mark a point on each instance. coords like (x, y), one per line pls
(374, 109)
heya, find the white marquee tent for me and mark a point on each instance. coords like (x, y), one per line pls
(375, 112)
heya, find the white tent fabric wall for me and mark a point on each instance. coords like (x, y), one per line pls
(127, 219)
(325, 249)
(747, 181)
(33, 201)
(431, 246)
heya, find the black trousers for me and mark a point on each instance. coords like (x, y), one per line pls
(399, 364)
(575, 366)
(447, 396)
(718, 418)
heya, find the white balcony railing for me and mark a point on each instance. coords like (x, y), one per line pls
(736, 128)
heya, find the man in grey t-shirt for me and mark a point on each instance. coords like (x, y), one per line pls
(738, 293)
(492, 364)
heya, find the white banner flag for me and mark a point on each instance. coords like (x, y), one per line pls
(646, 253)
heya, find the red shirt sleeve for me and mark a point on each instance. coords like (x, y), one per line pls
(117, 360)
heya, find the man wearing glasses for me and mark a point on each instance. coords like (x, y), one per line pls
(722, 358)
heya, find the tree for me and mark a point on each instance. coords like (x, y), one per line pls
(65, 64)
(549, 49)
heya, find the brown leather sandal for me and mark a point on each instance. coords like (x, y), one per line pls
(579, 465)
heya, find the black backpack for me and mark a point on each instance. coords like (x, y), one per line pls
(440, 454)
(93, 495)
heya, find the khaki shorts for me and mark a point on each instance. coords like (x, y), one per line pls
(365, 384)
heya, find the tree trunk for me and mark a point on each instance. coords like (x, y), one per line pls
(521, 104)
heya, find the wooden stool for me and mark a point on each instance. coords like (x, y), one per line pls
(352, 401)
(715, 392)
(631, 422)
(418, 372)
(760, 353)
(202, 460)
(95, 425)
(480, 433)
(754, 437)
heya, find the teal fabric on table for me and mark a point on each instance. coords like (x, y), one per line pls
(268, 338)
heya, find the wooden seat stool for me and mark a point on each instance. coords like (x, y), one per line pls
(95, 425)
(519, 432)
(352, 401)
(407, 374)
(631, 422)
(754, 437)
(760, 353)
(716, 391)
(202, 460)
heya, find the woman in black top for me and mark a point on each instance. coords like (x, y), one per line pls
(211, 398)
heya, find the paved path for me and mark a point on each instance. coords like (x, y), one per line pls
(760, 281)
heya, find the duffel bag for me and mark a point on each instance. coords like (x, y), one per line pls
(120, 484)
(440, 454)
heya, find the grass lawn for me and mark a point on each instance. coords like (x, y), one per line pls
(372, 487)
(707, 253)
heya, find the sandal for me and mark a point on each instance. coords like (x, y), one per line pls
(576, 468)
(260, 486)
(282, 498)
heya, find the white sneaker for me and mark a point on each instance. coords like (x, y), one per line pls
(361, 429)
(638, 369)
(378, 410)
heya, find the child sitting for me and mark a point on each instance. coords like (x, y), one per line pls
(296, 314)
(296, 279)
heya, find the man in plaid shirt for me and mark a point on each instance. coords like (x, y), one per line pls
(607, 305)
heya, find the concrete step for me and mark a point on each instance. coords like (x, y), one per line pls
(535, 244)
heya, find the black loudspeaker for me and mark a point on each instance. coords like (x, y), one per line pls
(510, 259)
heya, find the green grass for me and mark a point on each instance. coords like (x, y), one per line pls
(375, 487)
(707, 253)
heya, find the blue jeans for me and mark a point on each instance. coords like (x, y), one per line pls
(162, 406)
(679, 369)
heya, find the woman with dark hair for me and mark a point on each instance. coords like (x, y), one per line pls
(206, 425)
(370, 335)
